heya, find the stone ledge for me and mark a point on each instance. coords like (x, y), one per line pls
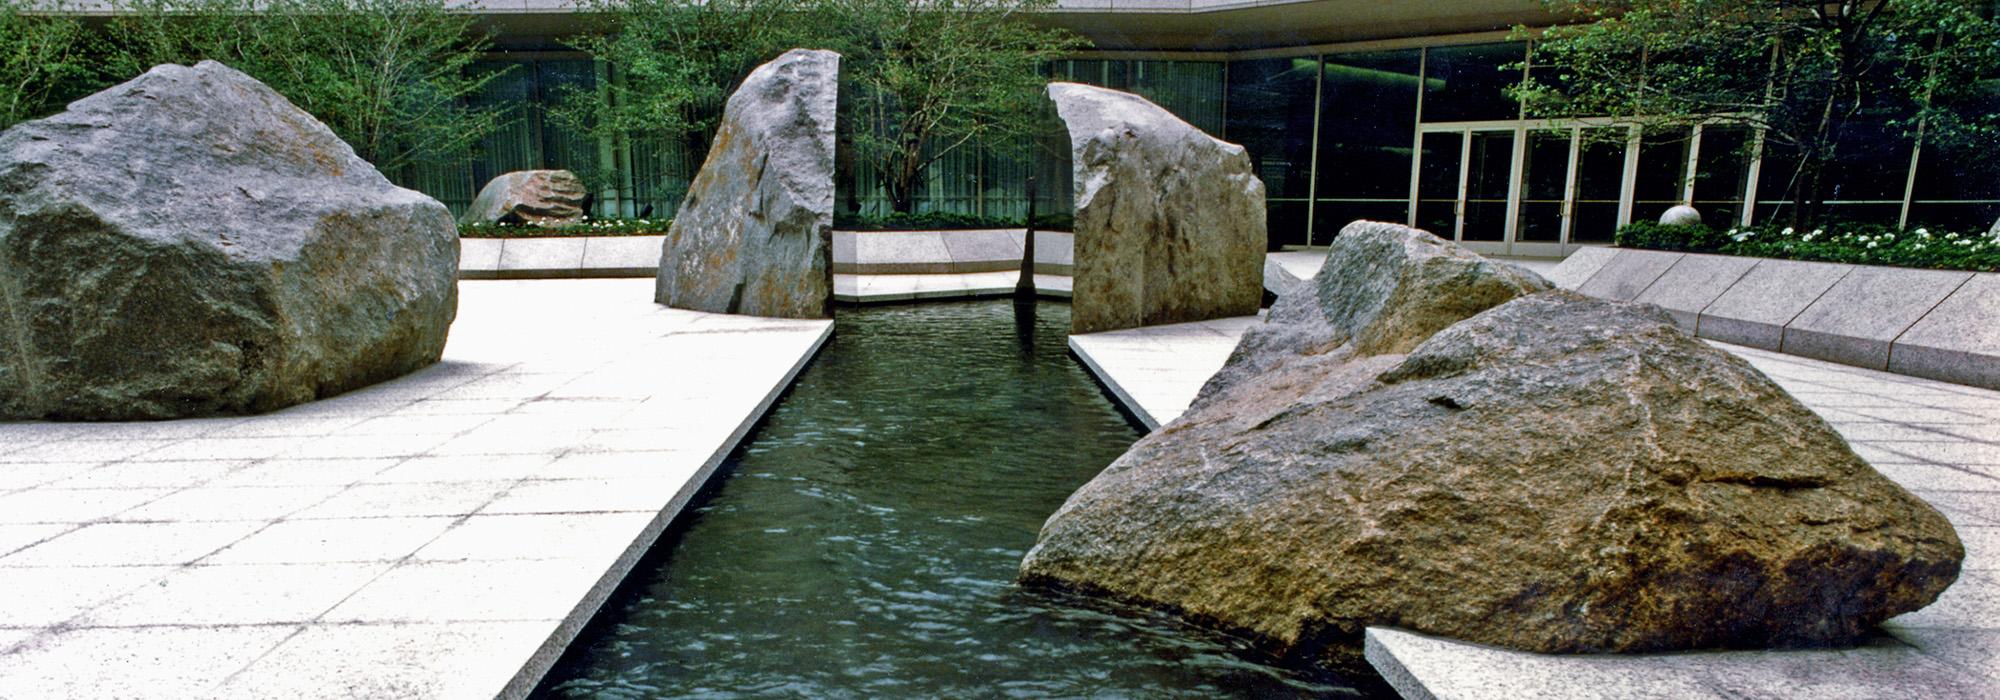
(559, 258)
(948, 252)
(1935, 324)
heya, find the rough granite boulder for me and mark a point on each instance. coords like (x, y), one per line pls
(1553, 474)
(1169, 220)
(755, 234)
(189, 243)
(530, 197)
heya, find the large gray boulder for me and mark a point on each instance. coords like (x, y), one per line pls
(1554, 474)
(755, 234)
(1169, 220)
(189, 242)
(529, 197)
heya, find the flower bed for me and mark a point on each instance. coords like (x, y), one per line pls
(1858, 244)
(589, 227)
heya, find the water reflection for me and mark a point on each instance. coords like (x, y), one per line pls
(864, 542)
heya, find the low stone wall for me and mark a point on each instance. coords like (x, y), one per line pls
(947, 252)
(854, 253)
(1928, 323)
(568, 257)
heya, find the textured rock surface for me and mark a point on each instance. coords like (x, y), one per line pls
(189, 242)
(1554, 474)
(532, 197)
(1383, 289)
(1169, 220)
(1681, 215)
(754, 235)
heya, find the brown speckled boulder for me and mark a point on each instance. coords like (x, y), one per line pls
(1553, 474)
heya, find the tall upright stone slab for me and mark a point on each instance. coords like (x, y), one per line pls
(1169, 220)
(189, 242)
(755, 234)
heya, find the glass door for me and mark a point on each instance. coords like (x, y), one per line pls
(1439, 187)
(1489, 169)
(1598, 204)
(1543, 215)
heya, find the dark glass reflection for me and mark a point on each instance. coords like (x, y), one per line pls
(1544, 186)
(1368, 111)
(1467, 83)
(1488, 171)
(1271, 115)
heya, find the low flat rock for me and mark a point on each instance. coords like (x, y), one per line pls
(754, 235)
(1169, 220)
(529, 197)
(189, 242)
(1440, 446)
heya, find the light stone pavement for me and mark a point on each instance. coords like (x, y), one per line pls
(1941, 441)
(876, 289)
(443, 535)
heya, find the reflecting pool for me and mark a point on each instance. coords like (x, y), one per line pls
(864, 540)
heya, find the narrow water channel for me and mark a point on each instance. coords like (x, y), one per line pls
(863, 542)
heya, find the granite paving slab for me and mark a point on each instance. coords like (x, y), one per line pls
(1628, 273)
(1580, 266)
(441, 535)
(1755, 310)
(1694, 283)
(1958, 341)
(1855, 321)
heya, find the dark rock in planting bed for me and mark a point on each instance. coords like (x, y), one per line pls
(530, 197)
(1554, 474)
(755, 234)
(189, 243)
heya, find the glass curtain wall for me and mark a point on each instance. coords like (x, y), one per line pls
(1425, 136)
(1368, 108)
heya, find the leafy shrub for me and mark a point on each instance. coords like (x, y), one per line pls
(1858, 244)
(1694, 238)
(589, 227)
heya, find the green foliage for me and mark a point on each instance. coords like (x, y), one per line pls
(931, 76)
(1804, 73)
(388, 76)
(942, 221)
(673, 62)
(588, 227)
(1657, 236)
(1858, 244)
(44, 60)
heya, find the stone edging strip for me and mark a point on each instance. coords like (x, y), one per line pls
(1935, 324)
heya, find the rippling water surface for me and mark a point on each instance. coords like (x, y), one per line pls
(863, 542)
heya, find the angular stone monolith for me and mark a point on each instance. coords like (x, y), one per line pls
(754, 235)
(1169, 220)
(529, 197)
(189, 242)
(1553, 473)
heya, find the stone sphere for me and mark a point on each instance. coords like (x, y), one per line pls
(1681, 215)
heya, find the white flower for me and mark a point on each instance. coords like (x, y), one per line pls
(1871, 244)
(1787, 231)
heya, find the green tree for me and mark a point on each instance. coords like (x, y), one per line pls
(924, 78)
(44, 60)
(1803, 72)
(675, 61)
(390, 77)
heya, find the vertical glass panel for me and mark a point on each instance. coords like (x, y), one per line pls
(1600, 178)
(1662, 176)
(1544, 182)
(1722, 169)
(1192, 90)
(1270, 114)
(563, 146)
(1466, 83)
(1866, 181)
(1437, 183)
(1488, 169)
(1958, 189)
(1368, 115)
(1777, 182)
